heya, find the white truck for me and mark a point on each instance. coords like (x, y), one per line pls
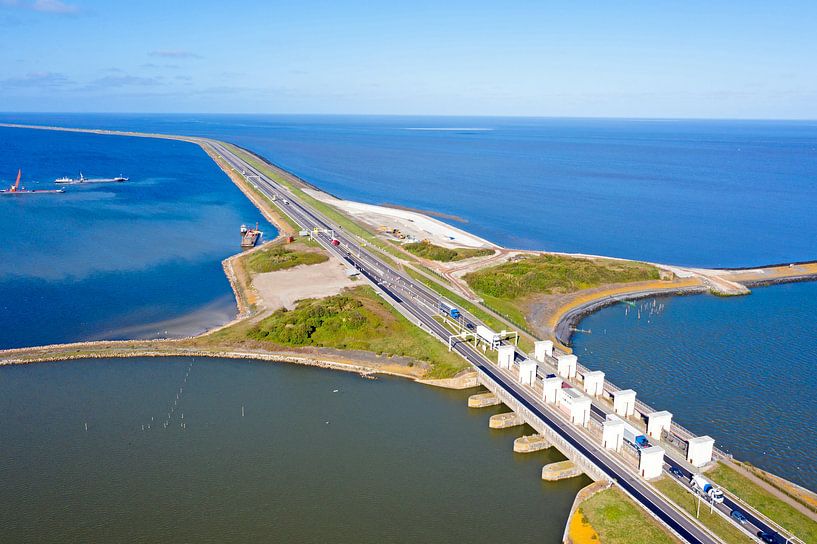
(705, 488)
(489, 337)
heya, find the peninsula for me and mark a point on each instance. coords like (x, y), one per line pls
(383, 279)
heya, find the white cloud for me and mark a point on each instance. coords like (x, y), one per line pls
(174, 54)
(54, 6)
(37, 80)
(43, 6)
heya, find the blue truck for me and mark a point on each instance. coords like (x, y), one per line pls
(453, 313)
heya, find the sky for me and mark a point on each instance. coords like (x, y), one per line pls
(569, 58)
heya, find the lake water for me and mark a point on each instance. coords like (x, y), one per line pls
(122, 260)
(740, 369)
(377, 461)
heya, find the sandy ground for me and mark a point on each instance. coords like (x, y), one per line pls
(410, 223)
(285, 287)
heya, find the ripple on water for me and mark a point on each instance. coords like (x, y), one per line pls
(739, 369)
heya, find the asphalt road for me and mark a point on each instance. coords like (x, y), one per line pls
(415, 300)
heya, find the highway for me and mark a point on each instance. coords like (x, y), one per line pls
(419, 303)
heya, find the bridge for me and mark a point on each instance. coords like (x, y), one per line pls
(581, 441)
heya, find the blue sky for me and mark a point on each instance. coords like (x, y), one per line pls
(741, 59)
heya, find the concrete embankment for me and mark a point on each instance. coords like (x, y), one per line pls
(531, 443)
(568, 316)
(560, 470)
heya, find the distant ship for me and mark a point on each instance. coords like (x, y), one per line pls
(17, 190)
(83, 179)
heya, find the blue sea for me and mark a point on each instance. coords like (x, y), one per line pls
(140, 259)
(703, 193)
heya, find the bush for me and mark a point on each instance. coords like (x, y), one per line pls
(545, 274)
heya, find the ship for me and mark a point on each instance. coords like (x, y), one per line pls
(250, 236)
(83, 179)
(16, 189)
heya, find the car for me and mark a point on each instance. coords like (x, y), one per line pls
(767, 537)
(677, 472)
(738, 516)
(550, 376)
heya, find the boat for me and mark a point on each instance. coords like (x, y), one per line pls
(250, 236)
(16, 189)
(83, 179)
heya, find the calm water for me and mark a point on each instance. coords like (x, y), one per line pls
(706, 193)
(740, 369)
(378, 461)
(114, 260)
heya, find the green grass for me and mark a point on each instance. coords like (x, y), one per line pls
(280, 258)
(333, 214)
(427, 250)
(618, 520)
(725, 529)
(782, 513)
(356, 319)
(548, 274)
(524, 343)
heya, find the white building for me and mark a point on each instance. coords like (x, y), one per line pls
(505, 355)
(594, 383)
(699, 450)
(542, 349)
(527, 372)
(624, 402)
(566, 365)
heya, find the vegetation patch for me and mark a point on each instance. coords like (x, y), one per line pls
(427, 250)
(356, 319)
(551, 274)
(689, 503)
(280, 257)
(618, 520)
(782, 513)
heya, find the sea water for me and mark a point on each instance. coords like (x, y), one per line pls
(114, 260)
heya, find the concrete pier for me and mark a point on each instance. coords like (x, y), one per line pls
(560, 471)
(530, 443)
(506, 420)
(483, 400)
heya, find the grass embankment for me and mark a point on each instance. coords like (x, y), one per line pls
(689, 503)
(332, 213)
(280, 257)
(506, 287)
(618, 520)
(427, 250)
(356, 319)
(782, 513)
(489, 320)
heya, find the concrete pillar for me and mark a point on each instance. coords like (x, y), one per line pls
(541, 349)
(566, 365)
(505, 356)
(612, 433)
(527, 372)
(580, 411)
(657, 422)
(550, 389)
(624, 402)
(699, 450)
(594, 383)
(651, 462)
